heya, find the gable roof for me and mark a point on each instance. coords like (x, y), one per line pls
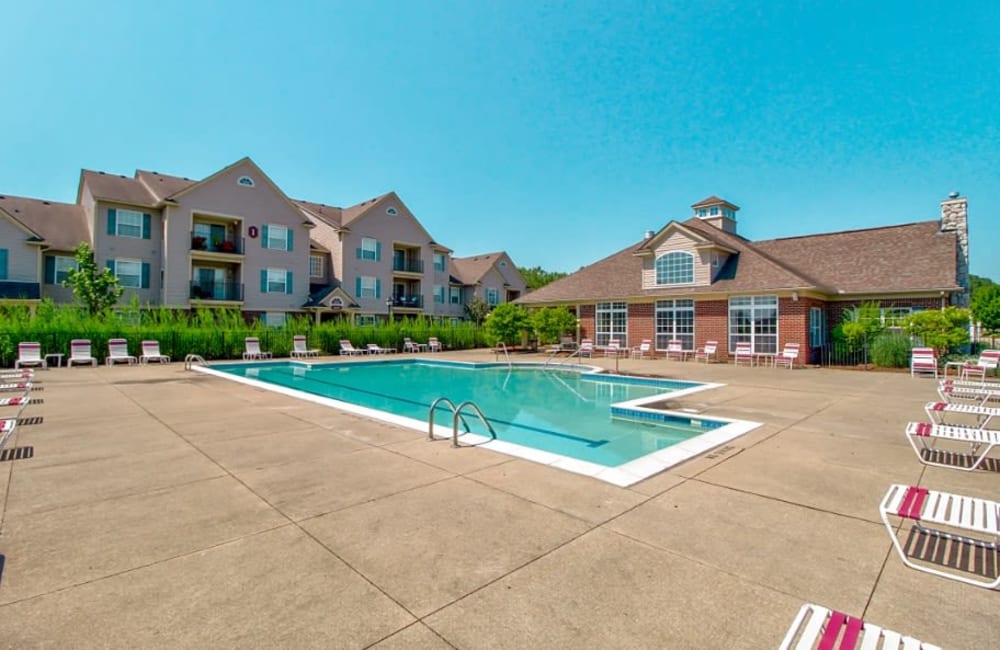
(714, 200)
(115, 188)
(61, 226)
(470, 270)
(162, 186)
(321, 213)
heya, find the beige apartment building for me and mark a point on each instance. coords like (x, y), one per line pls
(235, 239)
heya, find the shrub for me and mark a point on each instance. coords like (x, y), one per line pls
(890, 350)
(941, 329)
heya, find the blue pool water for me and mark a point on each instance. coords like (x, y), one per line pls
(560, 411)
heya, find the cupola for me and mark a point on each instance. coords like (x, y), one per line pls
(718, 212)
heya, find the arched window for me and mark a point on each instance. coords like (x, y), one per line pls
(676, 267)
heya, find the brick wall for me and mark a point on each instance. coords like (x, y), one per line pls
(711, 323)
(641, 322)
(586, 316)
(835, 310)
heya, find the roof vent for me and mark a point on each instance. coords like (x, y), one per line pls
(101, 173)
(648, 235)
(46, 203)
(953, 195)
(2, 196)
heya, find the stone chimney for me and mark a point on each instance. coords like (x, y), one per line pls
(955, 218)
(718, 212)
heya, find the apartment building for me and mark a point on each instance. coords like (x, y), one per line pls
(234, 239)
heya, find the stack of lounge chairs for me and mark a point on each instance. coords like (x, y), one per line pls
(15, 388)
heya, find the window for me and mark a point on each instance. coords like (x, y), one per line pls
(611, 322)
(57, 268)
(439, 262)
(370, 249)
(503, 264)
(315, 266)
(277, 238)
(896, 316)
(127, 223)
(365, 319)
(3, 263)
(275, 318)
(368, 287)
(492, 297)
(439, 294)
(129, 273)
(275, 281)
(244, 181)
(817, 327)
(675, 322)
(392, 212)
(455, 295)
(714, 211)
(676, 267)
(701, 212)
(754, 320)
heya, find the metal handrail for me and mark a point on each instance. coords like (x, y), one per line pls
(430, 416)
(458, 415)
(503, 346)
(574, 353)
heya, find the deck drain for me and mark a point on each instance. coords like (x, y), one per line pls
(17, 453)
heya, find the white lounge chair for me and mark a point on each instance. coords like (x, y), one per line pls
(374, 348)
(151, 352)
(987, 362)
(30, 354)
(707, 352)
(79, 353)
(433, 344)
(980, 442)
(789, 355)
(614, 349)
(347, 348)
(118, 353)
(968, 391)
(251, 349)
(16, 387)
(954, 518)
(644, 350)
(936, 412)
(743, 352)
(675, 350)
(923, 360)
(299, 348)
(586, 348)
(14, 375)
(819, 627)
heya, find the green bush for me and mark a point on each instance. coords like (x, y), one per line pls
(891, 350)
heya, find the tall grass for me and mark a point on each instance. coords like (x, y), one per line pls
(211, 333)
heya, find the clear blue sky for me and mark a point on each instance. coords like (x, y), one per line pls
(558, 131)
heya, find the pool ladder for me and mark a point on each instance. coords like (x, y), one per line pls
(502, 347)
(456, 416)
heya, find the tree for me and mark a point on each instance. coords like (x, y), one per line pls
(985, 306)
(859, 324)
(536, 277)
(977, 282)
(477, 310)
(507, 322)
(550, 323)
(942, 329)
(98, 290)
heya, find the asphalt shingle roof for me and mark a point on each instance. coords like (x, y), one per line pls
(62, 225)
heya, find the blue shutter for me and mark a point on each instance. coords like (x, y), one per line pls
(112, 221)
(263, 280)
(378, 288)
(288, 282)
(146, 222)
(378, 251)
(263, 236)
(50, 269)
(144, 283)
(110, 265)
(357, 252)
(289, 246)
(357, 286)
(3, 263)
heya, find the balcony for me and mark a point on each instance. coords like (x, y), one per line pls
(20, 290)
(415, 301)
(231, 291)
(407, 266)
(231, 246)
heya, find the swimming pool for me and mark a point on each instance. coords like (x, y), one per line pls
(586, 422)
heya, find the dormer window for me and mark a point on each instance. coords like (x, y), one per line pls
(714, 211)
(675, 267)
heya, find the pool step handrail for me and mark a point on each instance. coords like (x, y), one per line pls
(501, 346)
(430, 416)
(457, 417)
(555, 353)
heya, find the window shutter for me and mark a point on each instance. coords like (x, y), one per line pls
(263, 236)
(378, 288)
(112, 221)
(378, 251)
(357, 286)
(3, 263)
(146, 223)
(110, 265)
(289, 240)
(263, 280)
(144, 283)
(357, 252)
(50, 269)
(288, 282)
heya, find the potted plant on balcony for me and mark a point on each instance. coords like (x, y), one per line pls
(197, 243)
(227, 246)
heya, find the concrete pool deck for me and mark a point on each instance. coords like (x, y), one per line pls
(164, 508)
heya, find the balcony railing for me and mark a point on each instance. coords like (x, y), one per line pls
(413, 302)
(20, 290)
(200, 243)
(408, 266)
(216, 291)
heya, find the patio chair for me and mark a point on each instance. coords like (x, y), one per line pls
(409, 345)
(375, 348)
(567, 344)
(433, 344)
(251, 349)
(300, 349)
(118, 352)
(79, 352)
(347, 349)
(30, 354)
(707, 352)
(675, 350)
(789, 355)
(987, 362)
(586, 349)
(981, 394)
(965, 529)
(644, 350)
(980, 443)
(743, 352)
(613, 348)
(151, 352)
(923, 360)
(819, 627)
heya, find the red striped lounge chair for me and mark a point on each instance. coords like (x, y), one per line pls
(951, 391)
(251, 350)
(937, 412)
(118, 353)
(79, 353)
(644, 350)
(300, 349)
(923, 360)
(151, 352)
(960, 521)
(675, 350)
(987, 362)
(30, 354)
(707, 352)
(819, 627)
(980, 443)
(743, 352)
(789, 355)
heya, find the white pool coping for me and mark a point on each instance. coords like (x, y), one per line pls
(623, 475)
